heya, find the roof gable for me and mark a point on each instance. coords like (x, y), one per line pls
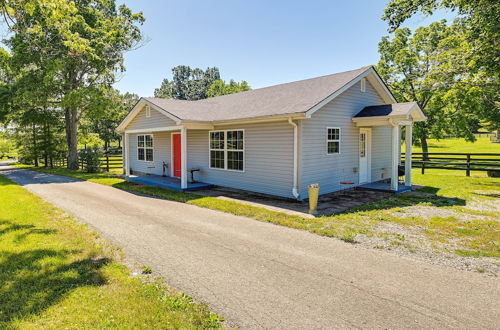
(138, 107)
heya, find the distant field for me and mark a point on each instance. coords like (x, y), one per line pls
(481, 145)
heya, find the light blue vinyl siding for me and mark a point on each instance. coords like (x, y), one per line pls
(156, 120)
(329, 169)
(381, 152)
(268, 159)
(161, 153)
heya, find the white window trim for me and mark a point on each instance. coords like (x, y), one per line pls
(148, 111)
(225, 150)
(363, 85)
(152, 148)
(339, 141)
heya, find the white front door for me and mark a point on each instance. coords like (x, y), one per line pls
(364, 154)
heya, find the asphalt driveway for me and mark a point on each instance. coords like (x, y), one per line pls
(259, 275)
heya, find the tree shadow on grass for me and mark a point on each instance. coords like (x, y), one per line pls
(35, 279)
(25, 230)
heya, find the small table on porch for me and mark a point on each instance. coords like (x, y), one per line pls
(192, 170)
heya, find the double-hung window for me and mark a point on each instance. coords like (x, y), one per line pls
(333, 140)
(227, 150)
(145, 147)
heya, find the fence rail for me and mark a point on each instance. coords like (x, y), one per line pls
(108, 161)
(456, 161)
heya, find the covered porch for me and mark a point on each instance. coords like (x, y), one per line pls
(168, 163)
(399, 116)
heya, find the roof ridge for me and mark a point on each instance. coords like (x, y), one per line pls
(362, 69)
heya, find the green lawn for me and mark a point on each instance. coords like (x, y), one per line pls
(481, 145)
(467, 229)
(56, 273)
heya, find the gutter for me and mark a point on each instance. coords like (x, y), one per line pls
(295, 190)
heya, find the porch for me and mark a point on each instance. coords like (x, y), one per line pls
(385, 186)
(397, 116)
(167, 182)
(168, 155)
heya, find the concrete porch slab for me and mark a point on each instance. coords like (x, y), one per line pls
(167, 182)
(384, 186)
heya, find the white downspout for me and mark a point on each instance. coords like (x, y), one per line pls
(295, 190)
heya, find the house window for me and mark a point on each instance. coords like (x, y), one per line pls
(145, 147)
(362, 145)
(217, 154)
(333, 140)
(363, 85)
(227, 150)
(148, 111)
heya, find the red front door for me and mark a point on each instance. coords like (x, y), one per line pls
(176, 145)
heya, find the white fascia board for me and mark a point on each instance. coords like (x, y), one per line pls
(295, 116)
(152, 130)
(416, 114)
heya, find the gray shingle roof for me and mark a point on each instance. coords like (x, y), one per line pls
(396, 109)
(290, 98)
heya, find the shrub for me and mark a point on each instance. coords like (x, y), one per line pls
(493, 174)
(91, 159)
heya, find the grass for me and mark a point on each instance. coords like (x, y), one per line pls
(481, 145)
(442, 190)
(56, 273)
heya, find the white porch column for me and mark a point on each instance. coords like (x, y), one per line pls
(395, 154)
(126, 154)
(183, 157)
(408, 154)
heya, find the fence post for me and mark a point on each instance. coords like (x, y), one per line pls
(467, 172)
(424, 157)
(107, 162)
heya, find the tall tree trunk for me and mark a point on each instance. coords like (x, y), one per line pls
(425, 147)
(50, 147)
(35, 147)
(46, 146)
(71, 117)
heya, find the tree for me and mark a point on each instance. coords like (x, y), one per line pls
(219, 87)
(412, 65)
(188, 83)
(71, 50)
(472, 54)
(105, 124)
(481, 19)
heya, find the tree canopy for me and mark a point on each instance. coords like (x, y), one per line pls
(450, 69)
(480, 19)
(66, 54)
(220, 87)
(187, 83)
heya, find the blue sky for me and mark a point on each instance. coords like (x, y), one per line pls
(262, 42)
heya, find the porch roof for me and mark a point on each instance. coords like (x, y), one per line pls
(389, 114)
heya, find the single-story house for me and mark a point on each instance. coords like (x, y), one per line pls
(277, 140)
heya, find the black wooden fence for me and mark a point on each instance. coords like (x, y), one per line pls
(109, 160)
(467, 162)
